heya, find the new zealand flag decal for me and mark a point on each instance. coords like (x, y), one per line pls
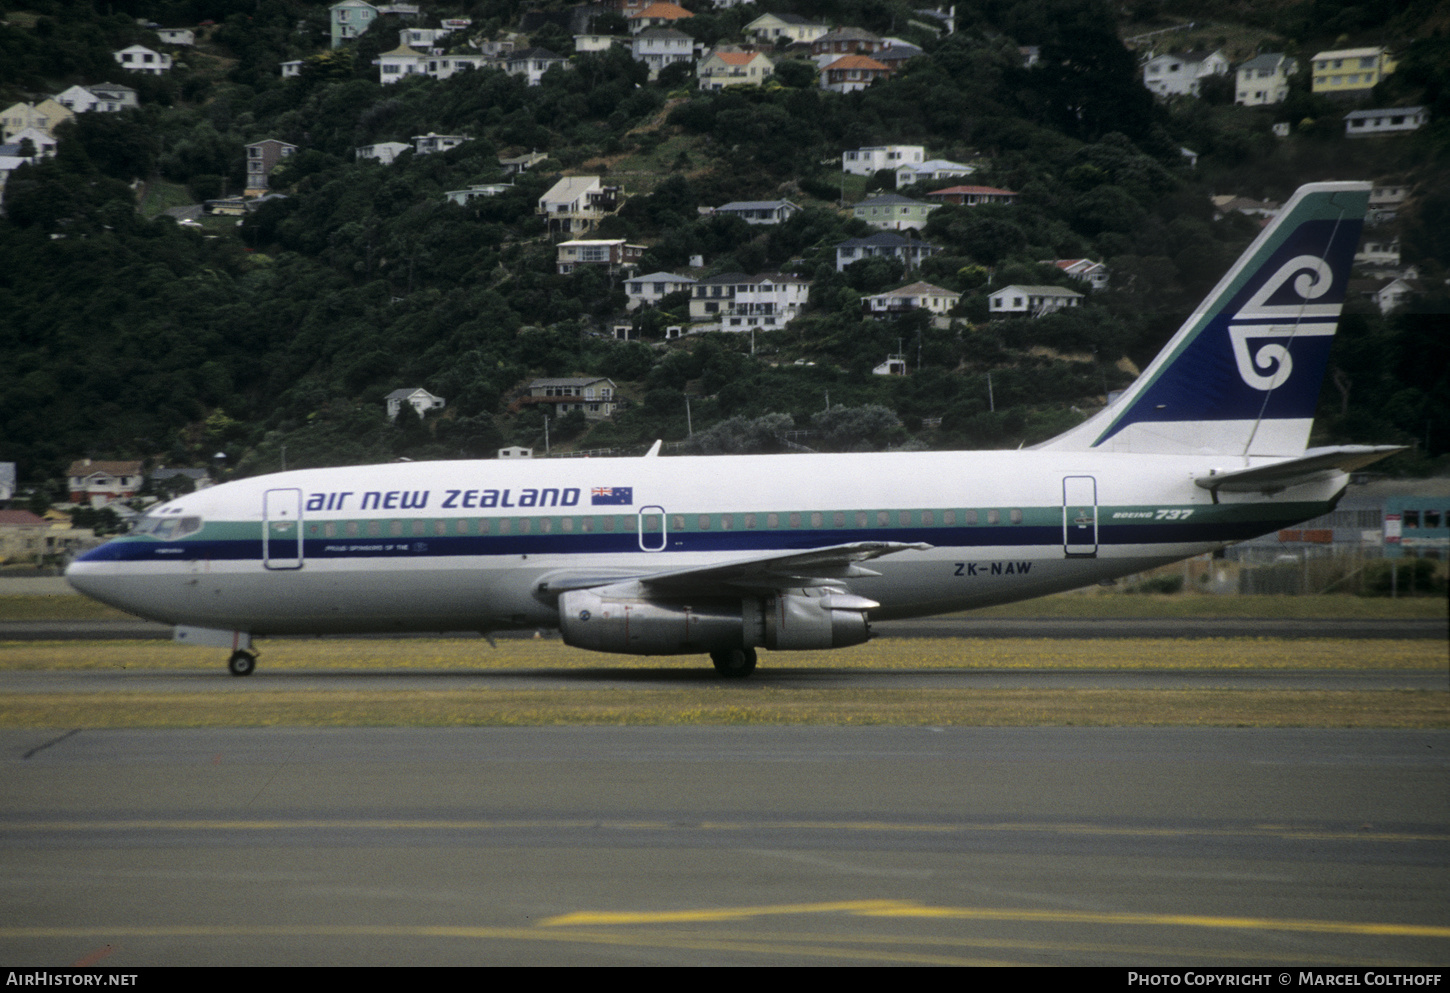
(616, 496)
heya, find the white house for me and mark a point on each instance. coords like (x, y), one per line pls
(98, 483)
(461, 197)
(1385, 121)
(1378, 251)
(1180, 74)
(648, 291)
(291, 68)
(1386, 293)
(427, 144)
(1095, 274)
(1031, 300)
(41, 141)
(384, 151)
(722, 69)
(914, 296)
(760, 211)
(532, 63)
(177, 36)
(1264, 79)
(578, 203)
(866, 161)
(777, 29)
(932, 170)
(660, 47)
(421, 400)
(139, 58)
(742, 302)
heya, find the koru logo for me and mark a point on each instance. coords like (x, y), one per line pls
(1268, 365)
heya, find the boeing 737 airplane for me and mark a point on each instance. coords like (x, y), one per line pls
(724, 555)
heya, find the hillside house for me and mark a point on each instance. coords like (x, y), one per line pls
(1385, 121)
(181, 37)
(613, 253)
(1095, 274)
(384, 151)
(932, 170)
(845, 41)
(760, 211)
(972, 196)
(1182, 73)
(656, 15)
(648, 291)
(888, 244)
(139, 58)
(1264, 79)
(742, 302)
(23, 536)
(43, 116)
(914, 296)
(596, 396)
(576, 204)
(868, 161)
(721, 69)
(532, 63)
(513, 165)
(1350, 73)
(661, 47)
(893, 212)
(476, 191)
(262, 158)
(416, 397)
(7, 481)
(1386, 292)
(1385, 201)
(427, 144)
(98, 482)
(1031, 301)
(850, 73)
(784, 29)
(351, 18)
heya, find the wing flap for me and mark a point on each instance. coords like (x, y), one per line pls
(773, 571)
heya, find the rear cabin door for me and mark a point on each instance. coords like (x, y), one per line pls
(282, 529)
(1079, 516)
(653, 534)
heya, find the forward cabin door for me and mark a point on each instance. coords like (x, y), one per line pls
(282, 529)
(1079, 516)
(653, 535)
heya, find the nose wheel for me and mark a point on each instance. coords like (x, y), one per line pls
(242, 663)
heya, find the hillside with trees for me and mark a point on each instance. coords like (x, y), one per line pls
(275, 336)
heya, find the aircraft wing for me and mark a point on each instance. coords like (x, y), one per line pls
(772, 571)
(1313, 464)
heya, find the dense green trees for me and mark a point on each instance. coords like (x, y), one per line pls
(126, 337)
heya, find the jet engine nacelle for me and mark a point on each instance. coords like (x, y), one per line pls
(623, 619)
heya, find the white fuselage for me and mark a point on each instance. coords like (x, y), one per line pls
(450, 546)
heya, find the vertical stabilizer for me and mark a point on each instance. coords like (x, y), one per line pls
(1242, 375)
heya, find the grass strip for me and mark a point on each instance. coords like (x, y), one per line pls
(472, 654)
(735, 705)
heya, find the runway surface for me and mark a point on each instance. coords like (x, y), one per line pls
(800, 846)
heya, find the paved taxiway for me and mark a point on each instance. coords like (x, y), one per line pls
(587, 845)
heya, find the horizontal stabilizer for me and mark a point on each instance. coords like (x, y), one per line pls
(1309, 467)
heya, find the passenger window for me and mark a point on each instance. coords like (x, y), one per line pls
(750, 522)
(546, 525)
(463, 525)
(795, 520)
(948, 517)
(994, 517)
(927, 518)
(1015, 515)
(420, 528)
(883, 519)
(704, 522)
(969, 517)
(1432, 518)
(395, 528)
(1412, 518)
(375, 529)
(351, 529)
(727, 522)
(861, 518)
(839, 519)
(903, 517)
(521, 525)
(329, 530)
(566, 524)
(772, 520)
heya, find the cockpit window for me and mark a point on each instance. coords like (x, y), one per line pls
(167, 528)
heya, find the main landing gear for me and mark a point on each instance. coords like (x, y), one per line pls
(734, 663)
(242, 663)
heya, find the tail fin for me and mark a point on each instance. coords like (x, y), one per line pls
(1242, 376)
